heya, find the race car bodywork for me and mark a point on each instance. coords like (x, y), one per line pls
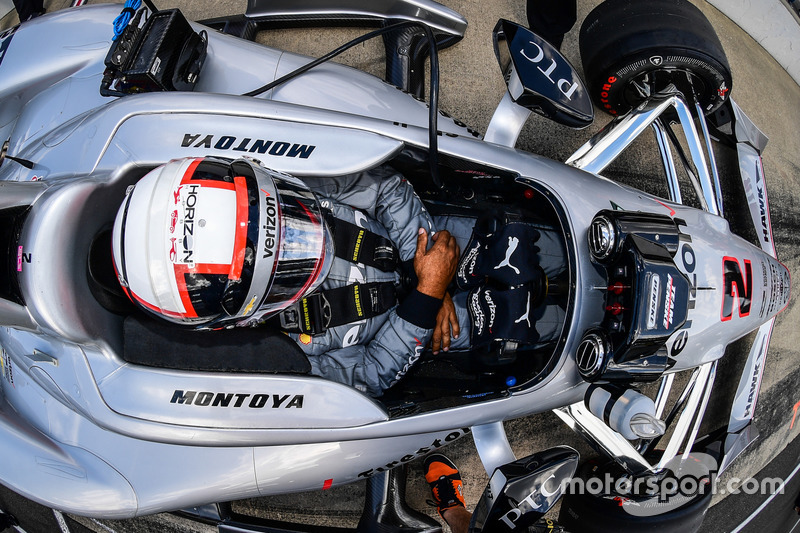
(92, 428)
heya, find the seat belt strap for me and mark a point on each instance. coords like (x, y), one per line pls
(358, 245)
(326, 309)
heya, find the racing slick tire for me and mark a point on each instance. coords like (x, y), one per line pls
(596, 511)
(632, 49)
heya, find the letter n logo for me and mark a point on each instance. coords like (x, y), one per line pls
(736, 287)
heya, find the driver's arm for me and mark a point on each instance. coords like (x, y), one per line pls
(376, 366)
(385, 195)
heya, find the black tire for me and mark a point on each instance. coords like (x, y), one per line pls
(631, 46)
(610, 512)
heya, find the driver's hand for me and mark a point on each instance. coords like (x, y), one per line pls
(446, 326)
(436, 267)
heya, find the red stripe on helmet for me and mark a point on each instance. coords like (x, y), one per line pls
(240, 238)
(187, 176)
(180, 279)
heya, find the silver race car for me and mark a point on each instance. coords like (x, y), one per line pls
(107, 414)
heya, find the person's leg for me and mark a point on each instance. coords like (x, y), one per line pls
(458, 519)
(28, 9)
(551, 19)
(448, 492)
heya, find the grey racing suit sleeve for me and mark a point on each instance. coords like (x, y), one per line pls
(374, 354)
(379, 364)
(385, 195)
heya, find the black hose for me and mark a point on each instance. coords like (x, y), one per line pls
(433, 107)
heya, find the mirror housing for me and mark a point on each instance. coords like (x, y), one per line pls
(539, 78)
(521, 492)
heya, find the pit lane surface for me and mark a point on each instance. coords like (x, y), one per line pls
(470, 89)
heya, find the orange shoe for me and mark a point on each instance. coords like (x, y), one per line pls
(445, 481)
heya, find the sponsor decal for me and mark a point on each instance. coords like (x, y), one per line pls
(736, 286)
(425, 450)
(478, 318)
(526, 316)
(492, 310)
(270, 226)
(779, 290)
(237, 399)
(469, 262)
(418, 348)
(765, 284)
(689, 261)
(563, 84)
(247, 144)
(652, 306)
(539, 499)
(762, 201)
(513, 242)
(22, 257)
(669, 302)
(249, 306)
(357, 300)
(756, 377)
(173, 221)
(173, 250)
(357, 247)
(604, 92)
(305, 338)
(181, 248)
(5, 367)
(156, 66)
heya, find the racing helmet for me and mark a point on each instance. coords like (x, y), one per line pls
(210, 242)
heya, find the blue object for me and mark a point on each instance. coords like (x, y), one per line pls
(122, 20)
(511, 381)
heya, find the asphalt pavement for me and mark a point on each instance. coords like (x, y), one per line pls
(471, 87)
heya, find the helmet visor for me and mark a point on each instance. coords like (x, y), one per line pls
(294, 250)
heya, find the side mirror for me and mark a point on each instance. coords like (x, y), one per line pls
(539, 78)
(521, 492)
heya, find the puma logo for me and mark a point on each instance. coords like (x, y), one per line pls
(513, 242)
(526, 315)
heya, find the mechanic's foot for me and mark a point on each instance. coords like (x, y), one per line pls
(445, 481)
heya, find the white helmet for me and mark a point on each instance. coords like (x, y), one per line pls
(210, 242)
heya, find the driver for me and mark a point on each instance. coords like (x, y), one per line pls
(210, 243)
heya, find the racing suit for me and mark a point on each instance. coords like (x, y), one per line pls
(372, 354)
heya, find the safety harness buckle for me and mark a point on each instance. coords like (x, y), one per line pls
(310, 315)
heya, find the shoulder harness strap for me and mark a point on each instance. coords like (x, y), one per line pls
(359, 245)
(322, 310)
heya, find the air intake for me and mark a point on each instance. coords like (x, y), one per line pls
(591, 356)
(602, 238)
